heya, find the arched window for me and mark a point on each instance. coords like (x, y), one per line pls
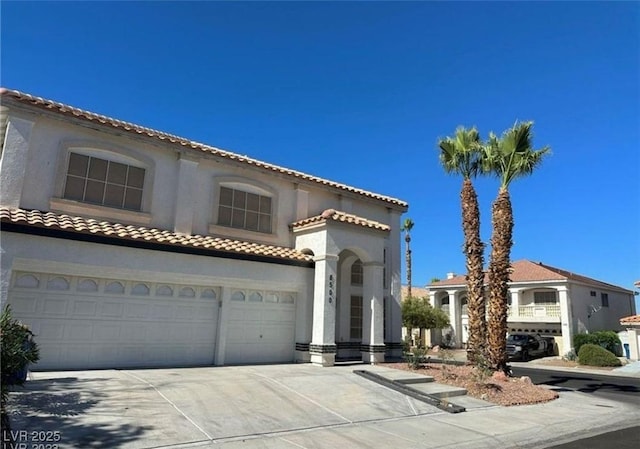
(356, 273)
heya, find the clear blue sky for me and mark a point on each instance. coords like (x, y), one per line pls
(360, 92)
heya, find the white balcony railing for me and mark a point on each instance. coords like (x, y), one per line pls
(536, 312)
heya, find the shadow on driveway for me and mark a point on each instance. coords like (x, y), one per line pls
(49, 409)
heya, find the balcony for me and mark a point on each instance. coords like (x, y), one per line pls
(535, 313)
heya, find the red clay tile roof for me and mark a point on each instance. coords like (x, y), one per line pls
(527, 271)
(416, 292)
(633, 319)
(185, 143)
(116, 231)
(343, 217)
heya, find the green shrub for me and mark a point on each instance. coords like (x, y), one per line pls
(596, 355)
(18, 351)
(416, 357)
(607, 339)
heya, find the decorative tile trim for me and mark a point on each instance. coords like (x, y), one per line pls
(394, 345)
(348, 345)
(302, 347)
(373, 349)
(323, 349)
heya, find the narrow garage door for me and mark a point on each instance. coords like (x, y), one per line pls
(261, 328)
(89, 322)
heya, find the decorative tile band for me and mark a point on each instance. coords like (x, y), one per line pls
(373, 348)
(349, 345)
(302, 347)
(390, 345)
(323, 349)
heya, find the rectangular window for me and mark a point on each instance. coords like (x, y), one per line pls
(243, 210)
(548, 297)
(604, 298)
(356, 318)
(98, 181)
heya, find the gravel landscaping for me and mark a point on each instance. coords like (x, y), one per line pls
(498, 389)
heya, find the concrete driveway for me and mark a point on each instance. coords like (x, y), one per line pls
(282, 406)
(165, 407)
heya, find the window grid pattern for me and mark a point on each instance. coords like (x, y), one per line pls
(548, 297)
(356, 273)
(356, 318)
(244, 210)
(98, 181)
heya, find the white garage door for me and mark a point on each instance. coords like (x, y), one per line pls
(261, 328)
(88, 322)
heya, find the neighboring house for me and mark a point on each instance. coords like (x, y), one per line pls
(545, 300)
(416, 292)
(125, 246)
(631, 336)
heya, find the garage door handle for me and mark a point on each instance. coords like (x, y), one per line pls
(260, 336)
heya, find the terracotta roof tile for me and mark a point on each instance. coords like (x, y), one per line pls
(416, 292)
(81, 225)
(343, 217)
(527, 271)
(633, 319)
(185, 143)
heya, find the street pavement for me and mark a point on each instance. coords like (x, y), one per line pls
(285, 406)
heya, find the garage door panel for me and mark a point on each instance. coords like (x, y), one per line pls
(111, 309)
(260, 333)
(55, 307)
(185, 313)
(84, 308)
(162, 312)
(107, 332)
(136, 311)
(24, 305)
(49, 331)
(78, 331)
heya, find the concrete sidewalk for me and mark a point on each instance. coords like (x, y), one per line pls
(286, 406)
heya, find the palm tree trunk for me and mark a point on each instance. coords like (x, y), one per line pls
(499, 270)
(408, 260)
(474, 250)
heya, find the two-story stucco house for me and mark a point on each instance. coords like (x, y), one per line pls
(543, 299)
(125, 246)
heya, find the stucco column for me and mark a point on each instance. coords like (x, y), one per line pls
(515, 303)
(435, 335)
(373, 348)
(455, 317)
(566, 319)
(13, 163)
(223, 318)
(323, 341)
(185, 195)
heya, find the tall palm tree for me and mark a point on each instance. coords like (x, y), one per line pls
(461, 155)
(407, 225)
(509, 157)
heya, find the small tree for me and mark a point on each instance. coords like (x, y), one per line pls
(419, 313)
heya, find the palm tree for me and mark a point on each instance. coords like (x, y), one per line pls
(509, 157)
(407, 225)
(461, 155)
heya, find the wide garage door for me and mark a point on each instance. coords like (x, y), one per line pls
(91, 322)
(261, 328)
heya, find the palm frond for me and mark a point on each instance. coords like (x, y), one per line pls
(461, 153)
